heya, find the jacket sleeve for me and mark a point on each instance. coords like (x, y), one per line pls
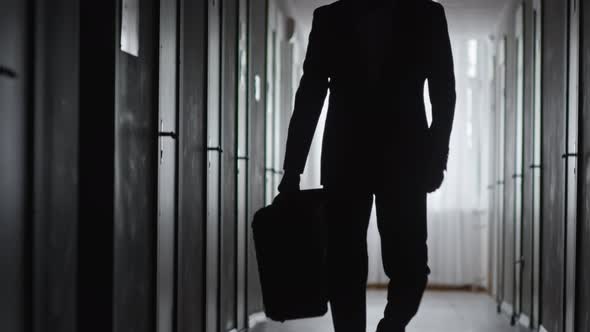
(441, 83)
(309, 101)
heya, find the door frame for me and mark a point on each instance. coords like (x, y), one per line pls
(242, 163)
(500, 147)
(519, 161)
(536, 167)
(572, 163)
(214, 161)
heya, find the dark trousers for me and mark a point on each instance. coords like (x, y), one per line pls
(401, 216)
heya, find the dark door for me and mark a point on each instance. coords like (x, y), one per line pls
(554, 98)
(214, 155)
(243, 164)
(192, 165)
(229, 74)
(571, 160)
(137, 161)
(257, 111)
(167, 168)
(14, 138)
(509, 178)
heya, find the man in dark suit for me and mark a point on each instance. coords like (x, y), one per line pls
(375, 56)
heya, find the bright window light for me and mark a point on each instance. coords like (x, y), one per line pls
(472, 58)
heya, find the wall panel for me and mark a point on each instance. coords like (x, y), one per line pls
(15, 121)
(56, 165)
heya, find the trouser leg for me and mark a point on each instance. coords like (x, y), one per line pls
(348, 219)
(401, 217)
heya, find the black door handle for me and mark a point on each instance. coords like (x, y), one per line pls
(536, 166)
(570, 155)
(273, 171)
(218, 149)
(170, 134)
(4, 71)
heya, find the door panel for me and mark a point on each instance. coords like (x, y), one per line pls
(192, 165)
(213, 168)
(554, 98)
(166, 247)
(528, 195)
(258, 104)
(136, 181)
(229, 54)
(518, 160)
(271, 107)
(583, 287)
(243, 164)
(14, 138)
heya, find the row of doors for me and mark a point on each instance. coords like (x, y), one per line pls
(228, 267)
(535, 201)
(179, 149)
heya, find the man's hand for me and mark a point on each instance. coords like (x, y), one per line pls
(436, 169)
(289, 183)
(434, 180)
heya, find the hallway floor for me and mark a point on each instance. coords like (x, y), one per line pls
(440, 312)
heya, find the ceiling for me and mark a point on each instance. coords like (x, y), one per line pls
(466, 17)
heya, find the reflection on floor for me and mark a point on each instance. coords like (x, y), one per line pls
(440, 312)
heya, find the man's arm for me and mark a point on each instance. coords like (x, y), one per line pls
(309, 101)
(441, 83)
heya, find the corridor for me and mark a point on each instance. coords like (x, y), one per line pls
(441, 311)
(139, 138)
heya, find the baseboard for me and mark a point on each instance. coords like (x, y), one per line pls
(524, 320)
(255, 319)
(507, 308)
(542, 329)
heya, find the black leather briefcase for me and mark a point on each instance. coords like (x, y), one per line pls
(289, 237)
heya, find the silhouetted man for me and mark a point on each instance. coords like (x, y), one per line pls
(374, 56)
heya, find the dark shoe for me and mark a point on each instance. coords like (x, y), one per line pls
(385, 327)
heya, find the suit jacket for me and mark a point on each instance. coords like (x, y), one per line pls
(374, 57)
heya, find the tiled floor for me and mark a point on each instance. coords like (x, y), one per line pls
(440, 312)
